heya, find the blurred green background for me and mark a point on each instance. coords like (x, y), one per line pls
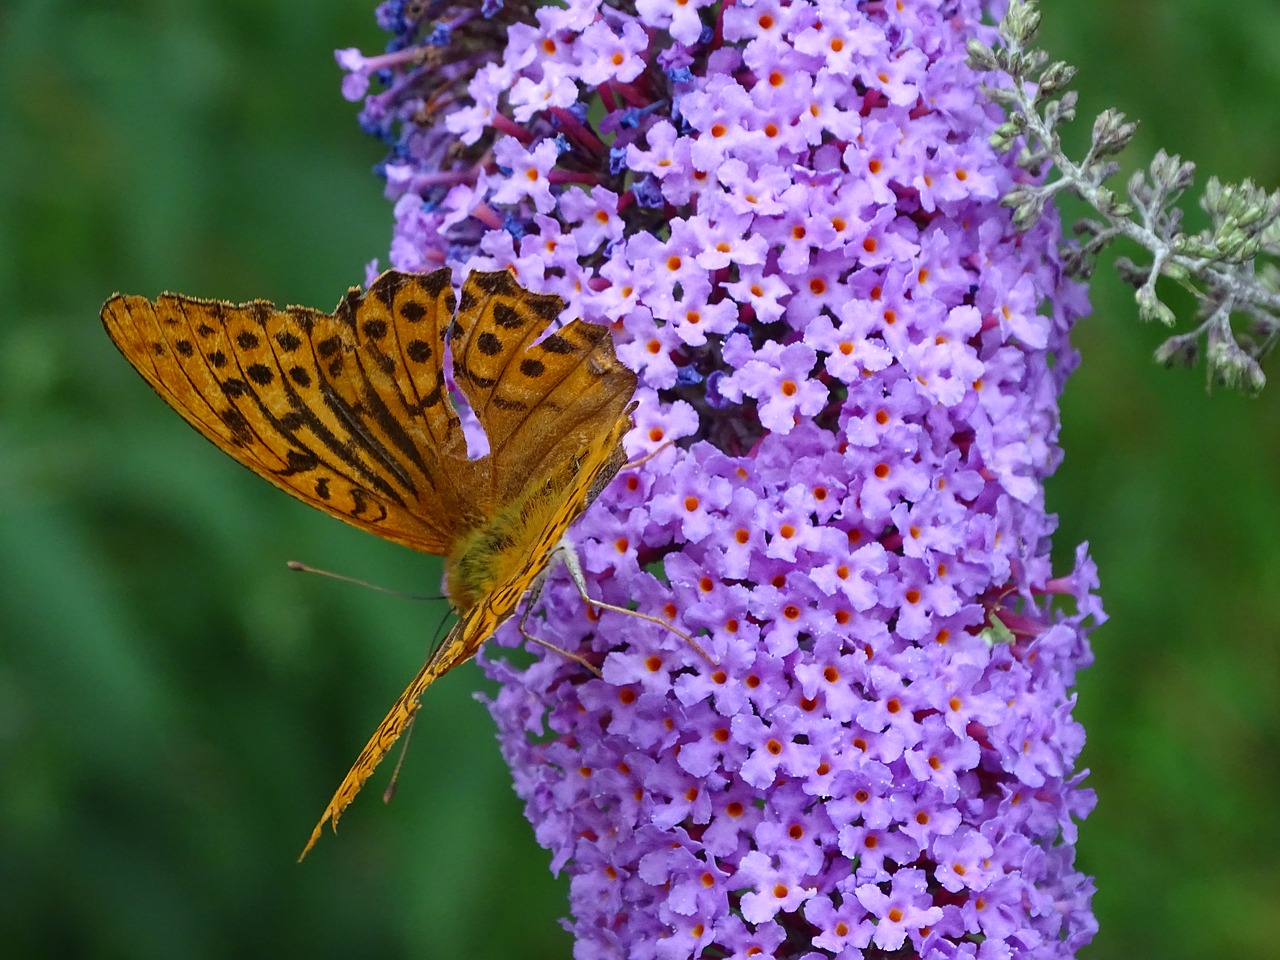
(175, 707)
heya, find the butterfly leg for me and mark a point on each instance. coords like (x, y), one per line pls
(534, 592)
(389, 793)
(640, 461)
(569, 556)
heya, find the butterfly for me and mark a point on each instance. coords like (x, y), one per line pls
(350, 412)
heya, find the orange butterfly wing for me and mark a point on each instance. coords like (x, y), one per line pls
(350, 412)
(554, 412)
(540, 399)
(346, 411)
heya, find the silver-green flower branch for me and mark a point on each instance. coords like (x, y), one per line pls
(1228, 267)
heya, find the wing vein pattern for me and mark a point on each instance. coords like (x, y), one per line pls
(350, 412)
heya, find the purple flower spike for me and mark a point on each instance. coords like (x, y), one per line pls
(788, 214)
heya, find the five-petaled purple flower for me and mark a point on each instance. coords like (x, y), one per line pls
(788, 213)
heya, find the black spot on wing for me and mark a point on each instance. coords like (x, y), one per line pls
(557, 344)
(491, 282)
(411, 311)
(300, 461)
(385, 288)
(241, 433)
(547, 307)
(591, 333)
(437, 281)
(260, 374)
(234, 387)
(507, 317)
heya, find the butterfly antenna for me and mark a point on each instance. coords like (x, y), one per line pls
(303, 568)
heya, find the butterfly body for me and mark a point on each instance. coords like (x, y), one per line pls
(351, 413)
(496, 552)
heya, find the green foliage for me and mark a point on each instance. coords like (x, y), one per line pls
(1217, 265)
(1179, 497)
